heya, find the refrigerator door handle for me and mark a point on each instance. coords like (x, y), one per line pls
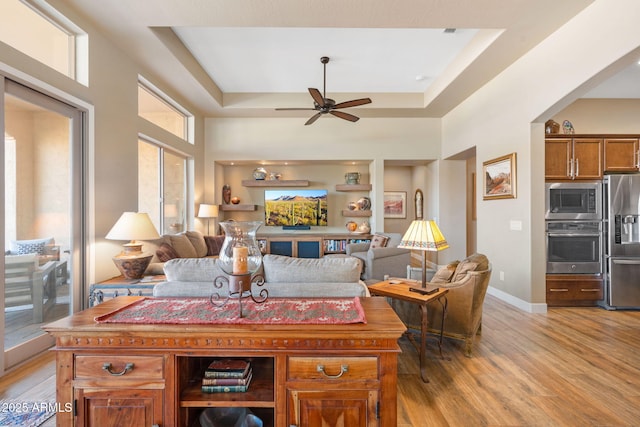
(626, 261)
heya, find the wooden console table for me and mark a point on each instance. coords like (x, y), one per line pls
(124, 374)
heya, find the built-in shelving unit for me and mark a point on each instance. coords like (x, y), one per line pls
(353, 187)
(237, 208)
(275, 183)
(361, 214)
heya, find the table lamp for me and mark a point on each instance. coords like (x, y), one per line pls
(423, 235)
(208, 211)
(132, 226)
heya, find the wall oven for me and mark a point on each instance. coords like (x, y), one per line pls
(573, 201)
(574, 247)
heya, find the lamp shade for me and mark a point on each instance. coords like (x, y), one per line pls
(133, 226)
(423, 235)
(208, 211)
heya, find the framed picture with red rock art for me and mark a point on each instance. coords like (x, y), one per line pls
(395, 204)
(499, 178)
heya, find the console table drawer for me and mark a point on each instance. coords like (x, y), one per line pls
(323, 368)
(127, 367)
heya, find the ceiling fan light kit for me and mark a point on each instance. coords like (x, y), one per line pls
(324, 105)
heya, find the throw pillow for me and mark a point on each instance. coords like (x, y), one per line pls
(214, 244)
(378, 241)
(462, 269)
(197, 240)
(166, 252)
(30, 248)
(182, 245)
(444, 274)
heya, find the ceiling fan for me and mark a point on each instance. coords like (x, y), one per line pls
(324, 105)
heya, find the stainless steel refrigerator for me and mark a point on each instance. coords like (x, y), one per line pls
(622, 252)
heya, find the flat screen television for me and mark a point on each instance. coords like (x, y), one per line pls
(295, 208)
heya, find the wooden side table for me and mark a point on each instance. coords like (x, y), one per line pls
(400, 289)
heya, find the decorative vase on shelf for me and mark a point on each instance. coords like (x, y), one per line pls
(353, 206)
(364, 204)
(352, 177)
(259, 174)
(351, 226)
(226, 194)
(364, 228)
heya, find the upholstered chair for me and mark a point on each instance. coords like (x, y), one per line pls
(469, 280)
(380, 257)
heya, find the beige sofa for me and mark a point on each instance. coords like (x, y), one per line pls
(284, 277)
(383, 259)
(467, 282)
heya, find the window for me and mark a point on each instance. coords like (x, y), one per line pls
(162, 187)
(162, 111)
(41, 32)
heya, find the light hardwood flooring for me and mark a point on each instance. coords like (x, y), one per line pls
(569, 367)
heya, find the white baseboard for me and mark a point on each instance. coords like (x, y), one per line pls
(539, 308)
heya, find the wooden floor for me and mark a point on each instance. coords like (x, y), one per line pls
(569, 367)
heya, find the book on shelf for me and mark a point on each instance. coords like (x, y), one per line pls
(227, 388)
(228, 368)
(228, 381)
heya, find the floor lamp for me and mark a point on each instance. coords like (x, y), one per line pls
(208, 212)
(423, 235)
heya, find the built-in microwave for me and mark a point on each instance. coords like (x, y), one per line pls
(573, 200)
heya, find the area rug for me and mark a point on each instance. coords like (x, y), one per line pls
(25, 414)
(274, 311)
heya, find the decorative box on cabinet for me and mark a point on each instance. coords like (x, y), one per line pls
(573, 158)
(574, 289)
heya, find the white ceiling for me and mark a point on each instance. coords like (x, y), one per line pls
(247, 57)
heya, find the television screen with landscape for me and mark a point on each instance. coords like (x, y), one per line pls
(295, 207)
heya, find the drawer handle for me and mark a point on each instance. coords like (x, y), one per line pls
(590, 290)
(558, 290)
(343, 369)
(128, 367)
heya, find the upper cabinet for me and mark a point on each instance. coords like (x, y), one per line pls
(621, 155)
(573, 158)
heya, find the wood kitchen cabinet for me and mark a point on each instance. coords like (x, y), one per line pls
(569, 158)
(574, 289)
(621, 155)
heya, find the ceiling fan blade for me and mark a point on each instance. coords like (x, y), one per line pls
(313, 118)
(353, 103)
(295, 109)
(345, 116)
(317, 96)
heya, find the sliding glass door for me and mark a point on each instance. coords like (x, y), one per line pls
(41, 204)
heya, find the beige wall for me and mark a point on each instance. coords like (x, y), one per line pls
(602, 116)
(499, 119)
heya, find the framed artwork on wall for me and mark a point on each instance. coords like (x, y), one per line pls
(395, 204)
(499, 178)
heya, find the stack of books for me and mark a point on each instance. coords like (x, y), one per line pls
(227, 376)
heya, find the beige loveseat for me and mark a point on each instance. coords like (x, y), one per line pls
(284, 277)
(467, 282)
(381, 257)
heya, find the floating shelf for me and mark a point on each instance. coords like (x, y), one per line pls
(347, 212)
(247, 208)
(353, 187)
(275, 183)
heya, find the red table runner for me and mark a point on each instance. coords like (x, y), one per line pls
(274, 311)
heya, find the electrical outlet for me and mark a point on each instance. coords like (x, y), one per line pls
(502, 276)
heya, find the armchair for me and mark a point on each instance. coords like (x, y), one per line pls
(378, 261)
(467, 289)
(27, 283)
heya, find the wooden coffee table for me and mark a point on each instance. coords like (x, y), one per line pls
(400, 289)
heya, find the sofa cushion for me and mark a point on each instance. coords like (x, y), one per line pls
(480, 259)
(445, 273)
(279, 268)
(33, 246)
(192, 270)
(182, 245)
(379, 241)
(197, 241)
(214, 244)
(462, 269)
(166, 252)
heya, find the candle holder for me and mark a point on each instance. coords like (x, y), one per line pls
(239, 258)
